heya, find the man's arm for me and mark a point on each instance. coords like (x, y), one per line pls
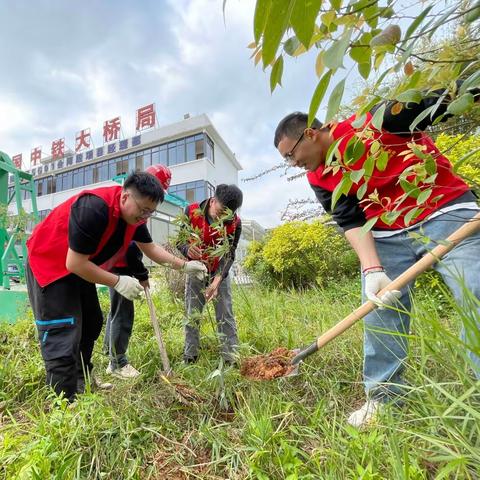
(159, 255)
(134, 262)
(79, 264)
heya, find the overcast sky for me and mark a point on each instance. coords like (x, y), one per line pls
(69, 65)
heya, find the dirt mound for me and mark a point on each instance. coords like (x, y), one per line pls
(266, 367)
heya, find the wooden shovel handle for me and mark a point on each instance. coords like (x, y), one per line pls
(429, 259)
(158, 333)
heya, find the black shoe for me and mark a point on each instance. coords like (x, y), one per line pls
(190, 360)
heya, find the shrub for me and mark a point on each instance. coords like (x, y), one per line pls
(455, 148)
(300, 255)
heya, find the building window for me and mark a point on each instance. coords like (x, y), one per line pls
(192, 191)
(139, 162)
(210, 151)
(78, 178)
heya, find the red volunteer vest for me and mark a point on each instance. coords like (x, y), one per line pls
(210, 236)
(386, 183)
(48, 244)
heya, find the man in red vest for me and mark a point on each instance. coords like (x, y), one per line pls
(74, 248)
(389, 248)
(212, 223)
(118, 329)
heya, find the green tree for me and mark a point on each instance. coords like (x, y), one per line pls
(300, 255)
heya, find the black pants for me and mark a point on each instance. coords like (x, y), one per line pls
(69, 320)
(119, 329)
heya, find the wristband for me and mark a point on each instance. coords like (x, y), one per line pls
(377, 268)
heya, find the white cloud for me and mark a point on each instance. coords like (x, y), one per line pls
(181, 54)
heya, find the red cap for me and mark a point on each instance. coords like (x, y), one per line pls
(163, 174)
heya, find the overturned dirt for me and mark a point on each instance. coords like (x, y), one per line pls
(267, 367)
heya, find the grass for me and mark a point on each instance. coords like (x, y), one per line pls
(286, 429)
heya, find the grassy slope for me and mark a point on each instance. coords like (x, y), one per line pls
(290, 428)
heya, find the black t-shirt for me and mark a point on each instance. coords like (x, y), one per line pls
(88, 222)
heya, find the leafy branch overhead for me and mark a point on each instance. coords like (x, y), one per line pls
(369, 35)
(402, 56)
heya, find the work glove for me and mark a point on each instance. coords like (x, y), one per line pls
(128, 287)
(195, 268)
(374, 282)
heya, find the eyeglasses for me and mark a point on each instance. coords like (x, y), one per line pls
(288, 157)
(144, 212)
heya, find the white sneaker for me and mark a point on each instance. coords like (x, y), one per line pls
(365, 415)
(127, 371)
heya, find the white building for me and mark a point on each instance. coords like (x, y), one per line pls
(193, 149)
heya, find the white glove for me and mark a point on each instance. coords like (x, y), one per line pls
(195, 268)
(128, 287)
(374, 282)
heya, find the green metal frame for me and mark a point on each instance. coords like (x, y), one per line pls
(8, 253)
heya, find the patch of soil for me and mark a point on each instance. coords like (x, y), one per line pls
(267, 367)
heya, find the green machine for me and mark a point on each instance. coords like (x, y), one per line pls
(13, 249)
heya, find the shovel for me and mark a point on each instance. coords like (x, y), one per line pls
(182, 392)
(429, 259)
(158, 334)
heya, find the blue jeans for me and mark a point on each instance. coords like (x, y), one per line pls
(385, 338)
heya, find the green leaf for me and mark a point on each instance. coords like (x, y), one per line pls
(359, 120)
(342, 188)
(332, 152)
(354, 151)
(424, 196)
(369, 165)
(414, 79)
(356, 175)
(364, 69)
(410, 189)
(390, 217)
(411, 95)
(335, 100)
(361, 54)
(333, 57)
(262, 9)
(412, 214)
(377, 119)
(318, 95)
(382, 161)
(461, 104)
(336, 4)
(368, 226)
(414, 25)
(473, 14)
(276, 73)
(290, 46)
(362, 190)
(304, 15)
(421, 117)
(472, 81)
(275, 27)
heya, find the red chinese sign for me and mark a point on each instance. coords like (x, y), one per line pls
(17, 161)
(146, 117)
(111, 130)
(82, 140)
(35, 156)
(58, 148)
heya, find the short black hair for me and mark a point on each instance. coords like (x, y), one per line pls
(229, 196)
(146, 185)
(293, 125)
